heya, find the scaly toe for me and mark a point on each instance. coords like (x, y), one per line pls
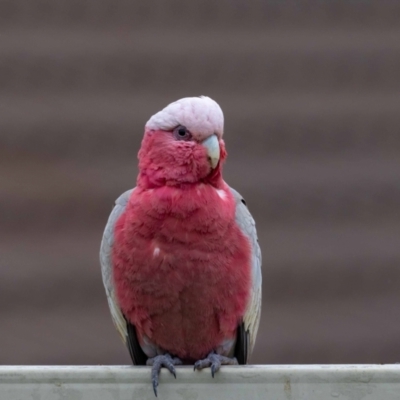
(215, 361)
(200, 364)
(157, 363)
(215, 366)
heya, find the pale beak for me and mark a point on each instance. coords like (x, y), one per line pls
(213, 151)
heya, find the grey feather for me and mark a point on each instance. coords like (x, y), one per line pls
(246, 223)
(106, 263)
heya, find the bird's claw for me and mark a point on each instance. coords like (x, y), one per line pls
(214, 361)
(157, 362)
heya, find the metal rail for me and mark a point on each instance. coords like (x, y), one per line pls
(274, 382)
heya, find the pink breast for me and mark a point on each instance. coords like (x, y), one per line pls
(183, 282)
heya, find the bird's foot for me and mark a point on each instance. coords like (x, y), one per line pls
(157, 362)
(215, 361)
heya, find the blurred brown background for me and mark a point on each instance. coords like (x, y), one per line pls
(311, 95)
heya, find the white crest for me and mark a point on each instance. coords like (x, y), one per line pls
(201, 115)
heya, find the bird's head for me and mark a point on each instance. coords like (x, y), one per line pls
(183, 144)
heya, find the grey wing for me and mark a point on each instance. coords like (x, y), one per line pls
(252, 314)
(106, 264)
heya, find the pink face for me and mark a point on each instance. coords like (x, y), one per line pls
(183, 144)
(176, 157)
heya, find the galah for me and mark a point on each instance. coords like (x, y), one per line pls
(180, 259)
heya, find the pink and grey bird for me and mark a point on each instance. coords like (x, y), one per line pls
(180, 259)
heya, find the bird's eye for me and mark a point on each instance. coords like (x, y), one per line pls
(181, 133)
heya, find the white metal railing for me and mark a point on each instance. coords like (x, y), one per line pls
(274, 382)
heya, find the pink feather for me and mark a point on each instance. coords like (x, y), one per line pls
(181, 264)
